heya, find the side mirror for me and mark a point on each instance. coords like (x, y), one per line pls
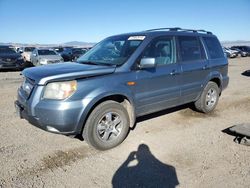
(34, 55)
(147, 63)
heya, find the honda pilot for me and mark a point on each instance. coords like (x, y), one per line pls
(121, 78)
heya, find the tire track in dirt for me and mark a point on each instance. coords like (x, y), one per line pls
(49, 163)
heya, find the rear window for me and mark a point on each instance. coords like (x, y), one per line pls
(214, 47)
(190, 48)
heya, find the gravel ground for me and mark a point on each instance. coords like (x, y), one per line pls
(177, 147)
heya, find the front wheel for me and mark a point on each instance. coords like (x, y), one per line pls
(208, 99)
(107, 125)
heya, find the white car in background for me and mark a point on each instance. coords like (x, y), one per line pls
(45, 56)
(230, 53)
(26, 52)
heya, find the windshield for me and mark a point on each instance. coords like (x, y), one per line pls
(112, 51)
(29, 49)
(46, 52)
(7, 51)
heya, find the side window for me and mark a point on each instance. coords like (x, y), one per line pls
(214, 47)
(162, 49)
(190, 48)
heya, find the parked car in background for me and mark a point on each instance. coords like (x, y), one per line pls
(70, 53)
(241, 52)
(243, 48)
(230, 53)
(226, 53)
(16, 48)
(45, 56)
(26, 52)
(65, 52)
(10, 59)
(121, 78)
(77, 52)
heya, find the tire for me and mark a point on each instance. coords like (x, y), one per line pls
(107, 125)
(208, 99)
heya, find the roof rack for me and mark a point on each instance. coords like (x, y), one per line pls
(180, 29)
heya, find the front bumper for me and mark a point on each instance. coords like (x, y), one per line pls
(60, 117)
(11, 65)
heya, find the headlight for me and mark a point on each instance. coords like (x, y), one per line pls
(43, 61)
(20, 58)
(60, 90)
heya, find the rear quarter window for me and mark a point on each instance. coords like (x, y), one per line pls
(190, 48)
(214, 47)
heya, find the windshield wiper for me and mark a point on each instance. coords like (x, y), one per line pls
(88, 62)
(95, 63)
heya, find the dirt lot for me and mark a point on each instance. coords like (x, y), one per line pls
(176, 147)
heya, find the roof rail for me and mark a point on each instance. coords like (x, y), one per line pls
(180, 29)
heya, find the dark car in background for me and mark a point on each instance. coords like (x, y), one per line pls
(65, 52)
(70, 53)
(243, 48)
(77, 52)
(10, 59)
(241, 52)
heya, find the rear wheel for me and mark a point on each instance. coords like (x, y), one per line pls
(107, 125)
(208, 99)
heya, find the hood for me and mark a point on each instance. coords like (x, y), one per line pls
(11, 56)
(50, 57)
(65, 71)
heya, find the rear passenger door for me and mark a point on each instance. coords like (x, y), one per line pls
(157, 88)
(194, 67)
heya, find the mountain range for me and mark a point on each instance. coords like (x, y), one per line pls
(71, 43)
(235, 43)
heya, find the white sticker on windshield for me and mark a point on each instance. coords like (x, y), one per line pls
(136, 38)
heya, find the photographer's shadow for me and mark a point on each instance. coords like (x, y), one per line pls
(142, 169)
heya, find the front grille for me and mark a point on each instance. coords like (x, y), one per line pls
(8, 60)
(53, 61)
(27, 86)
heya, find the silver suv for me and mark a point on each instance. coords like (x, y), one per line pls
(45, 56)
